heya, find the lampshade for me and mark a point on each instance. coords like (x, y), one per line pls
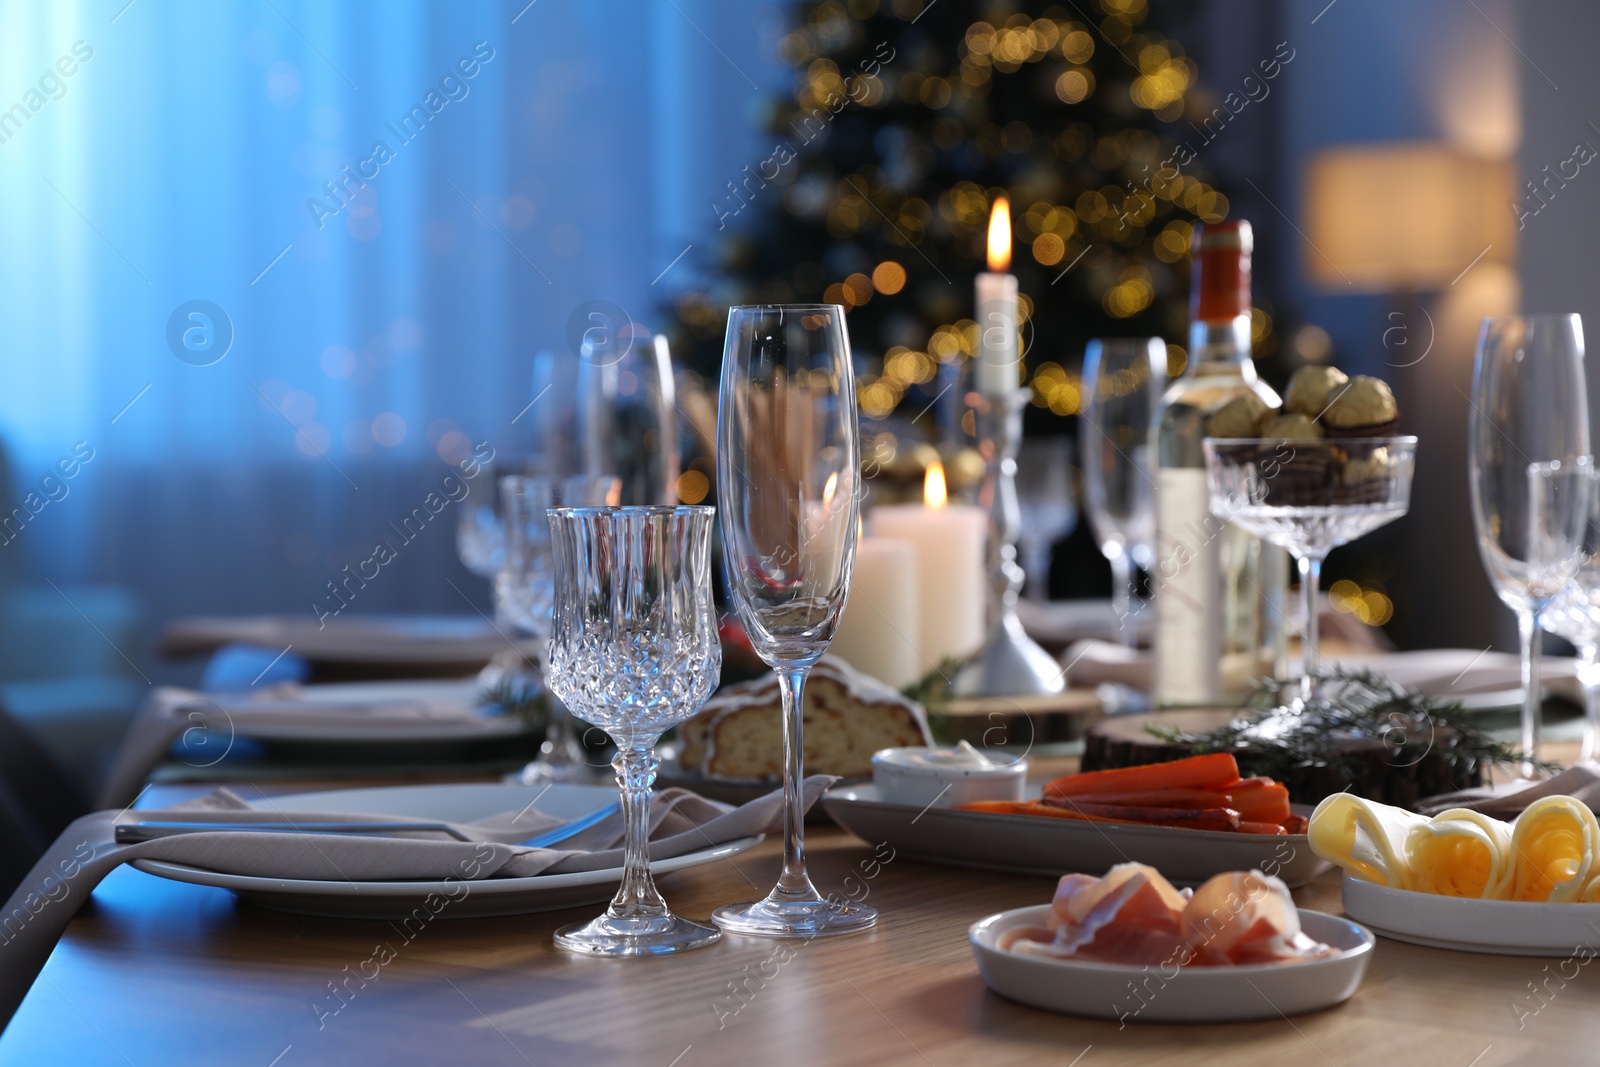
(1404, 215)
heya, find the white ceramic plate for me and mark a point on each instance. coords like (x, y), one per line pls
(453, 803)
(1500, 927)
(1053, 847)
(471, 725)
(1178, 994)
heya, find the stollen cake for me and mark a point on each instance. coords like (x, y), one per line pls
(738, 735)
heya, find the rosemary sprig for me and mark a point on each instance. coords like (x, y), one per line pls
(1353, 705)
(932, 691)
(521, 699)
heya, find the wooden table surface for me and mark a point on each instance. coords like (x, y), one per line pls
(153, 972)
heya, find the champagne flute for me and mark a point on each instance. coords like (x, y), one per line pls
(1529, 423)
(634, 650)
(789, 492)
(1124, 379)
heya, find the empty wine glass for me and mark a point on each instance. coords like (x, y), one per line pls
(634, 650)
(1124, 380)
(1528, 407)
(1310, 497)
(1574, 614)
(789, 490)
(524, 588)
(627, 412)
(1044, 505)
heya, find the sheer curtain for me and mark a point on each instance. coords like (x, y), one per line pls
(390, 207)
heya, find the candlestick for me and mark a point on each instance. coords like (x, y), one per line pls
(1010, 664)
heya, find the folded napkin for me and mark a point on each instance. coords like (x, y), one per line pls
(1507, 801)
(169, 714)
(47, 899)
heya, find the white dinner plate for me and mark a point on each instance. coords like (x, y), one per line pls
(1174, 994)
(1500, 927)
(1035, 845)
(449, 803)
(471, 724)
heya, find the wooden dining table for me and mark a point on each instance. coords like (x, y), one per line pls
(155, 972)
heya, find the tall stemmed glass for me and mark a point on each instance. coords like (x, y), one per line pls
(523, 591)
(1045, 506)
(1124, 379)
(788, 490)
(1528, 408)
(634, 650)
(1575, 615)
(1309, 497)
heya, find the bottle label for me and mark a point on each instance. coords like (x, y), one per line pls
(1187, 583)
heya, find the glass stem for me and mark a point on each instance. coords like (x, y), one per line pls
(1528, 630)
(1122, 598)
(793, 883)
(636, 770)
(1589, 676)
(1310, 659)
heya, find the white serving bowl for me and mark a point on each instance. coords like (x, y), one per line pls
(1502, 927)
(1175, 994)
(918, 777)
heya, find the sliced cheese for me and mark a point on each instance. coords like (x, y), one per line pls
(1553, 845)
(1461, 853)
(1366, 838)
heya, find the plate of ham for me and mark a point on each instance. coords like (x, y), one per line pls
(1131, 947)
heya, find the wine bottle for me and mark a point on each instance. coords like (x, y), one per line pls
(1218, 591)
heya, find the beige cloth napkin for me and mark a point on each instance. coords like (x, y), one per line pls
(86, 852)
(169, 714)
(1507, 801)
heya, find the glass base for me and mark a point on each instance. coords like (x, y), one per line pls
(656, 935)
(794, 918)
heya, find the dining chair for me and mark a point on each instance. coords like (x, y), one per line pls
(37, 801)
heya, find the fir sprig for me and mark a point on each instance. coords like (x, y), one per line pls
(1352, 706)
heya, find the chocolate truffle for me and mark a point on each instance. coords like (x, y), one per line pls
(1292, 428)
(1310, 388)
(1239, 417)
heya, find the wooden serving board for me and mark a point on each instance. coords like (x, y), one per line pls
(1021, 720)
(1368, 768)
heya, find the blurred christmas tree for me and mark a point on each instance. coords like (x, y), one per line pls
(907, 120)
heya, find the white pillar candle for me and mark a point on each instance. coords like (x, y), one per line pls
(996, 304)
(877, 634)
(949, 542)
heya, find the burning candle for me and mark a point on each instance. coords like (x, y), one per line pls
(997, 310)
(948, 541)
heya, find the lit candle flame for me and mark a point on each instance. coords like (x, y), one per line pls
(829, 487)
(933, 490)
(1000, 236)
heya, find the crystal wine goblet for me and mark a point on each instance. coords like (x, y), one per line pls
(1528, 407)
(1310, 497)
(789, 500)
(1045, 506)
(634, 650)
(1575, 614)
(1124, 380)
(524, 588)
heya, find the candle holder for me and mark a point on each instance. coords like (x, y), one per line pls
(1010, 663)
